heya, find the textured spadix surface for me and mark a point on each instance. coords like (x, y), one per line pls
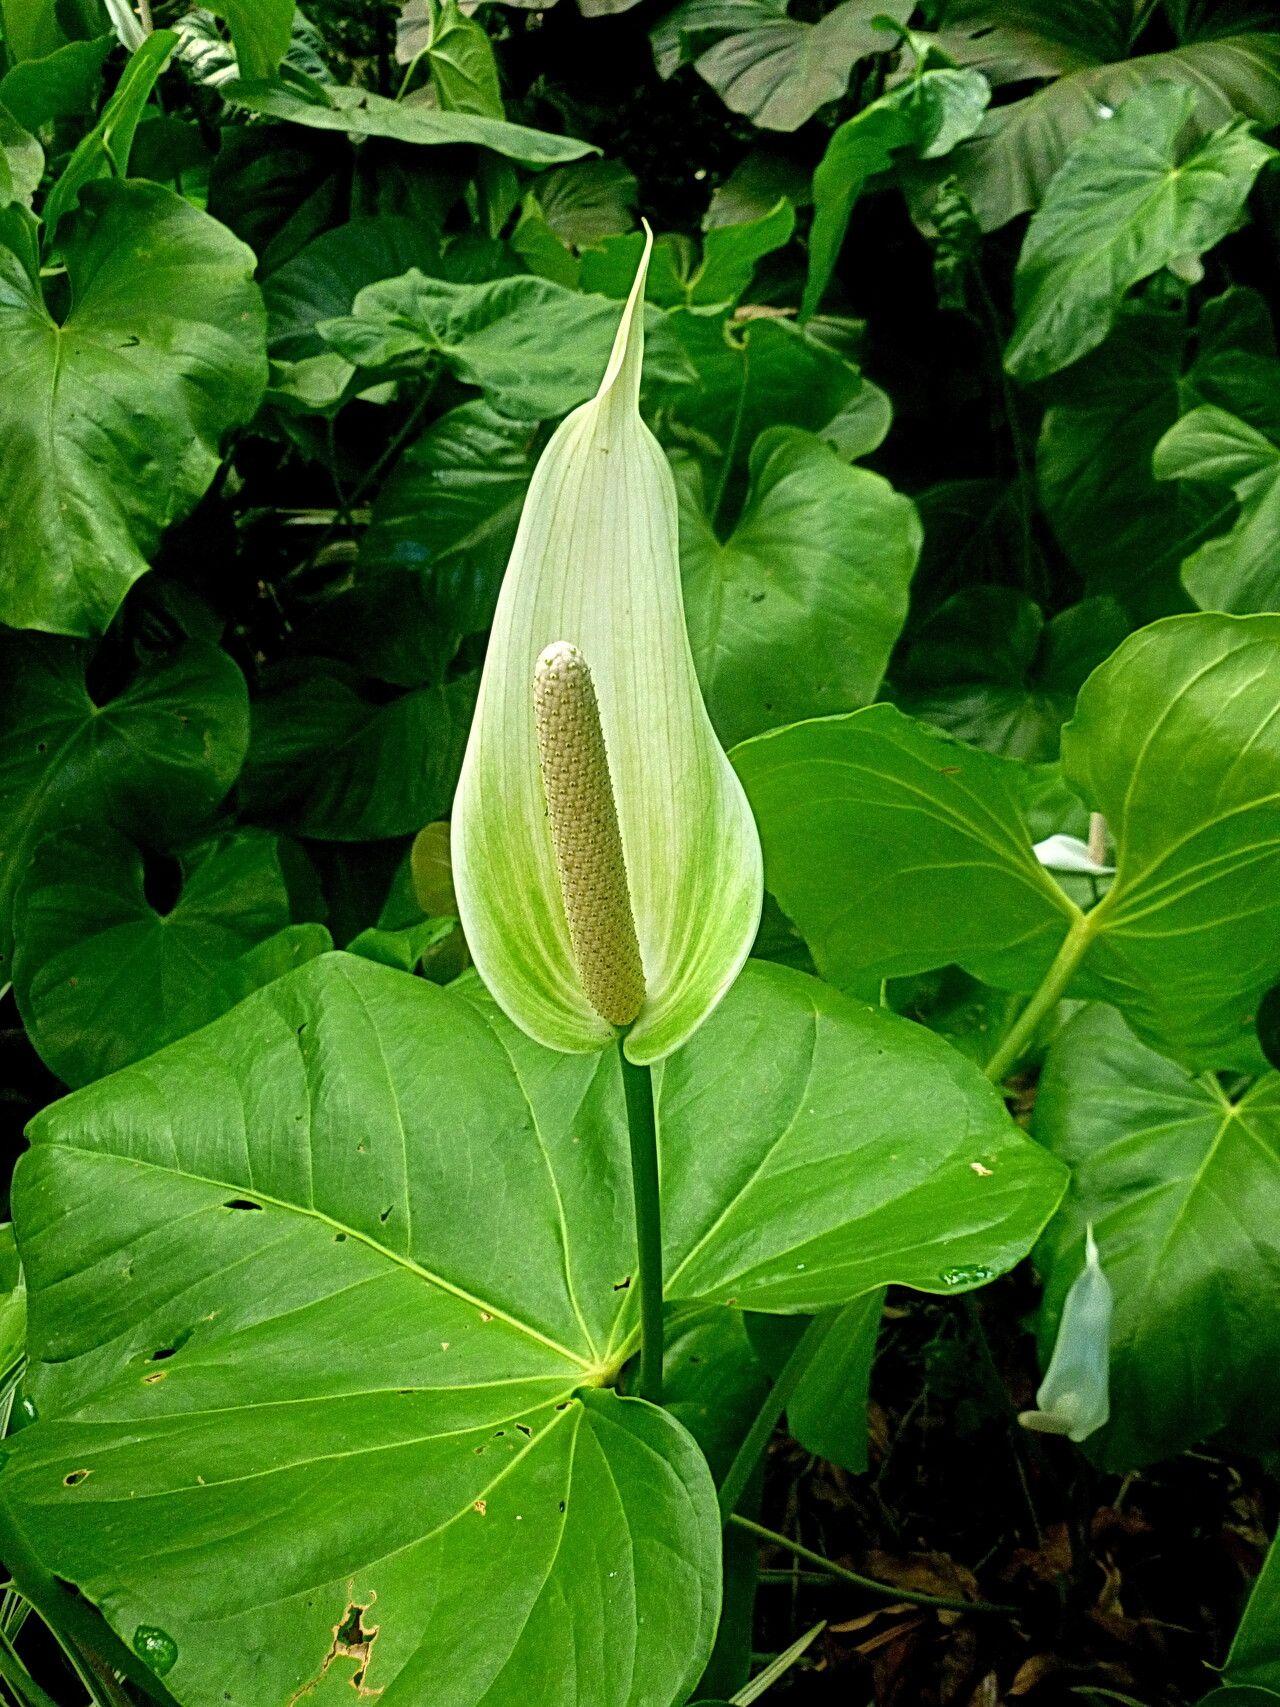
(596, 564)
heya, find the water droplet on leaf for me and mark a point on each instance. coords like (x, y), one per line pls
(156, 1647)
(971, 1275)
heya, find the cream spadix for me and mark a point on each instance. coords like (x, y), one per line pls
(596, 565)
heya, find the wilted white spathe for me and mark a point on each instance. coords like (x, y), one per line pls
(596, 567)
(1074, 1397)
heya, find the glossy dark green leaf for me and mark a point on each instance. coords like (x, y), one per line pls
(21, 162)
(1181, 1185)
(775, 69)
(988, 668)
(153, 761)
(1005, 169)
(261, 31)
(115, 415)
(795, 613)
(13, 1303)
(450, 507)
(328, 762)
(353, 1138)
(103, 978)
(827, 1414)
(1127, 200)
(928, 116)
(1238, 570)
(358, 112)
(765, 372)
(533, 347)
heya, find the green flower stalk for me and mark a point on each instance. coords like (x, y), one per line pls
(584, 918)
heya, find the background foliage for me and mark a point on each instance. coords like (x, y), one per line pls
(961, 348)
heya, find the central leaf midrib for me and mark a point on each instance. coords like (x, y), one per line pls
(406, 1262)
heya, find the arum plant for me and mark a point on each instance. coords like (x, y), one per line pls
(607, 866)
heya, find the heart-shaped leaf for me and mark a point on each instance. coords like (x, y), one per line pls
(797, 611)
(114, 416)
(894, 850)
(1127, 201)
(103, 977)
(153, 761)
(371, 1252)
(987, 667)
(1179, 1182)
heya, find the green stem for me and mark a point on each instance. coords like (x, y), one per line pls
(1075, 945)
(637, 1083)
(891, 1591)
(735, 433)
(20, 1680)
(770, 1414)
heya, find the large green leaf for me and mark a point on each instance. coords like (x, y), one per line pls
(775, 69)
(1127, 200)
(894, 849)
(1005, 168)
(533, 347)
(796, 612)
(1254, 1660)
(988, 668)
(359, 113)
(1239, 570)
(1181, 1185)
(62, 85)
(114, 415)
(1176, 740)
(928, 116)
(333, 764)
(373, 1248)
(103, 978)
(153, 761)
(1123, 530)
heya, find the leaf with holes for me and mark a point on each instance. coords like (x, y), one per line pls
(1181, 1184)
(370, 1251)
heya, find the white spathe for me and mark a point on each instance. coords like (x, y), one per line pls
(596, 563)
